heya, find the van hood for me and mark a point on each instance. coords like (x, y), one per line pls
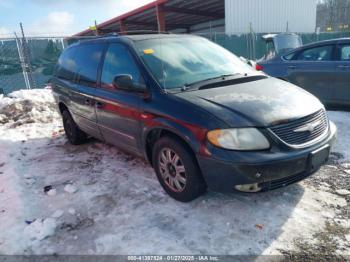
(259, 103)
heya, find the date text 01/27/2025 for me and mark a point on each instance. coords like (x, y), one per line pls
(173, 258)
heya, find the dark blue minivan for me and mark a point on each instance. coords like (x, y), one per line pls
(198, 114)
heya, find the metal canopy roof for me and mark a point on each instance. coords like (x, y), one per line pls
(164, 15)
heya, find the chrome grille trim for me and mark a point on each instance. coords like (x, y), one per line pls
(286, 132)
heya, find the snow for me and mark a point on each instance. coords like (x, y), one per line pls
(52, 192)
(28, 106)
(40, 229)
(71, 211)
(70, 189)
(342, 192)
(108, 202)
(58, 213)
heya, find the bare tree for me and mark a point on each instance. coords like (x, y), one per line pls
(334, 14)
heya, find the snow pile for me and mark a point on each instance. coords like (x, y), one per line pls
(28, 106)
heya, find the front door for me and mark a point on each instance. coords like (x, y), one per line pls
(118, 114)
(342, 75)
(313, 70)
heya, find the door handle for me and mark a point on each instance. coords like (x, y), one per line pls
(88, 102)
(292, 67)
(99, 104)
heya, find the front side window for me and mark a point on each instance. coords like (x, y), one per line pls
(323, 53)
(179, 61)
(345, 53)
(119, 61)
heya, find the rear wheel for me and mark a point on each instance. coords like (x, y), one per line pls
(177, 170)
(74, 134)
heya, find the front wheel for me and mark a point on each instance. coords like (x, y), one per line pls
(177, 170)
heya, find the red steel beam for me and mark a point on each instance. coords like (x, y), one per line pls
(122, 26)
(160, 18)
(168, 25)
(193, 12)
(126, 15)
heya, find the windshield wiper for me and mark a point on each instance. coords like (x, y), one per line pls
(198, 84)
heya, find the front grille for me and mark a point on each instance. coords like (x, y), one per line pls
(304, 130)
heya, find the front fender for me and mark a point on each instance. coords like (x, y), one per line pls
(193, 135)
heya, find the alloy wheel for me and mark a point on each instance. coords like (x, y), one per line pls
(172, 170)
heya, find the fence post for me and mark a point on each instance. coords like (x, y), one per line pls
(251, 45)
(20, 54)
(26, 59)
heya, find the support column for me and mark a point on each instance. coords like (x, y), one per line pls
(160, 18)
(122, 26)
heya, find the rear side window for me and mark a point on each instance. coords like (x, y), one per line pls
(119, 61)
(345, 53)
(88, 58)
(67, 66)
(322, 53)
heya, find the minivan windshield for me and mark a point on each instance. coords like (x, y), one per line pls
(180, 61)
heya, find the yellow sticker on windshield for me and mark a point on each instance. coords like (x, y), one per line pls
(148, 51)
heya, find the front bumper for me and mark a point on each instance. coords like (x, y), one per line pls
(268, 169)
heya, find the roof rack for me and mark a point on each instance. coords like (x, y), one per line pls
(89, 37)
(142, 32)
(106, 35)
(115, 34)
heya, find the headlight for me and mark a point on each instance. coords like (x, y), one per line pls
(238, 139)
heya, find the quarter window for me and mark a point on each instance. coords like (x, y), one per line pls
(66, 66)
(289, 56)
(119, 61)
(322, 53)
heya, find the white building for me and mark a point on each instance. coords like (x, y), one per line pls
(267, 16)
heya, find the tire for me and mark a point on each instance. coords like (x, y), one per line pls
(180, 178)
(74, 134)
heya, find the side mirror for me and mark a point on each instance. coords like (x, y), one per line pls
(123, 82)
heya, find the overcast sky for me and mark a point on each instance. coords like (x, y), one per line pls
(59, 17)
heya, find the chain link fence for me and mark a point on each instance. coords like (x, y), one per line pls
(30, 62)
(252, 46)
(27, 63)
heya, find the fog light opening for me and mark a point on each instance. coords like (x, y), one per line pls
(249, 188)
